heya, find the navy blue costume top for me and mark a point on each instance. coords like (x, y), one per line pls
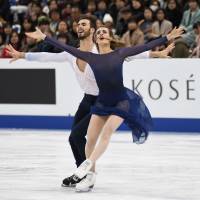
(113, 97)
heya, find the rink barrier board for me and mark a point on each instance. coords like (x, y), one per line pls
(65, 123)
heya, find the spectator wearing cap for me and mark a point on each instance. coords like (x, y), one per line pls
(122, 22)
(161, 26)
(133, 36)
(190, 17)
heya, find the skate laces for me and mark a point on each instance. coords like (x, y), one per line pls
(85, 164)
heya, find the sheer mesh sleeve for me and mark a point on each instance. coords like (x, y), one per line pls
(49, 57)
(72, 50)
(131, 51)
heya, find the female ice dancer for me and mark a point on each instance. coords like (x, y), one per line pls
(115, 103)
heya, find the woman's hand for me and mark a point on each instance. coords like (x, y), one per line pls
(164, 53)
(175, 33)
(13, 53)
(38, 35)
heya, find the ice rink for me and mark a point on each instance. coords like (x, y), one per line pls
(166, 167)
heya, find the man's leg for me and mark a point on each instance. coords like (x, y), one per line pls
(77, 137)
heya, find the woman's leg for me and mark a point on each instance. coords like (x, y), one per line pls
(94, 129)
(112, 123)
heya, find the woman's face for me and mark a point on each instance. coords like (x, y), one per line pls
(102, 36)
(14, 38)
(172, 5)
(136, 4)
(26, 25)
(62, 27)
(7, 30)
(99, 23)
(148, 14)
(160, 15)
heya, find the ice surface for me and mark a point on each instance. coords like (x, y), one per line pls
(166, 167)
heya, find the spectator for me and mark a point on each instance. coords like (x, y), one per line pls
(196, 50)
(137, 9)
(99, 23)
(34, 18)
(63, 29)
(43, 23)
(173, 12)
(91, 8)
(63, 39)
(155, 5)
(2, 45)
(161, 26)
(66, 12)
(28, 44)
(75, 13)
(52, 5)
(146, 24)
(101, 9)
(190, 17)
(5, 9)
(115, 7)
(27, 25)
(75, 40)
(122, 22)
(108, 22)
(134, 36)
(54, 20)
(7, 32)
(15, 42)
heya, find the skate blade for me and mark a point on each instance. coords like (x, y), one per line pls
(68, 186)
(86, 190)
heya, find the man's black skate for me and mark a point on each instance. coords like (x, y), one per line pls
(70, 181)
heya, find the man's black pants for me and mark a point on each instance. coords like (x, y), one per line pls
(77, 138)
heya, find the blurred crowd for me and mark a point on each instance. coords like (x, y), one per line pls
(133, 22)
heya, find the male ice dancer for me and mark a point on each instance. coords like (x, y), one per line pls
(85, 77)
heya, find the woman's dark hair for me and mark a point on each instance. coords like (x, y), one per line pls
(160, 9)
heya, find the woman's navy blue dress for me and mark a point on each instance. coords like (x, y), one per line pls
(114, 98)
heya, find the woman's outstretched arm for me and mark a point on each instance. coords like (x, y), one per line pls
(83, 55)
(130, 51)
(72, 50)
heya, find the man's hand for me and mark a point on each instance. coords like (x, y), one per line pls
(13, 53)
(38, 35)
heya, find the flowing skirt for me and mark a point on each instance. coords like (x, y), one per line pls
(134, 112)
